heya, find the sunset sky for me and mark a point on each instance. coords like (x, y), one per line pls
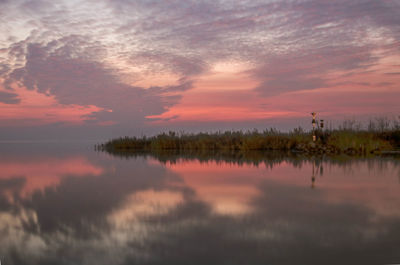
(96, 69)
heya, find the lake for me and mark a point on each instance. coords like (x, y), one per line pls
(65, 203)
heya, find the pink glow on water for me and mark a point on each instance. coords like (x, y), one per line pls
(45, 173)
(230, 187)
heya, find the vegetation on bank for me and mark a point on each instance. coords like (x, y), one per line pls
(352, 141)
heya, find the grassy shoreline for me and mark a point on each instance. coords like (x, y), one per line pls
(341, 141)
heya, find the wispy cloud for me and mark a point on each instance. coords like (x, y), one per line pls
(9, 98)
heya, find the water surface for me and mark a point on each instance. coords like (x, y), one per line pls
(64, 203)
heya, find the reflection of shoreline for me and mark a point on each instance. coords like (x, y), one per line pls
(268, 158)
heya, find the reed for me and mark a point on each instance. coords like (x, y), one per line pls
(342, 140)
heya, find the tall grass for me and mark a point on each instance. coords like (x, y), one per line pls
(357, 142)
(346, 139)
(229, 140)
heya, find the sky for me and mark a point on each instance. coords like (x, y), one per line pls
(97, 69)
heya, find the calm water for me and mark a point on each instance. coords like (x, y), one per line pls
(67, 204)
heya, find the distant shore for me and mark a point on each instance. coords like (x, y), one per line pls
(350, 142)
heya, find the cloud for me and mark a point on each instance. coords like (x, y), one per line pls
(294, 45)
(137, 58)
(9, 98)
(309, 69)
(158, 61)
(3, 69)
(59, 70)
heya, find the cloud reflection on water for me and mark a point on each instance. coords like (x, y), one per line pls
(141, 211)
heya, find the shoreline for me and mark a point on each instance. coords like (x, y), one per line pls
(336, 142)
